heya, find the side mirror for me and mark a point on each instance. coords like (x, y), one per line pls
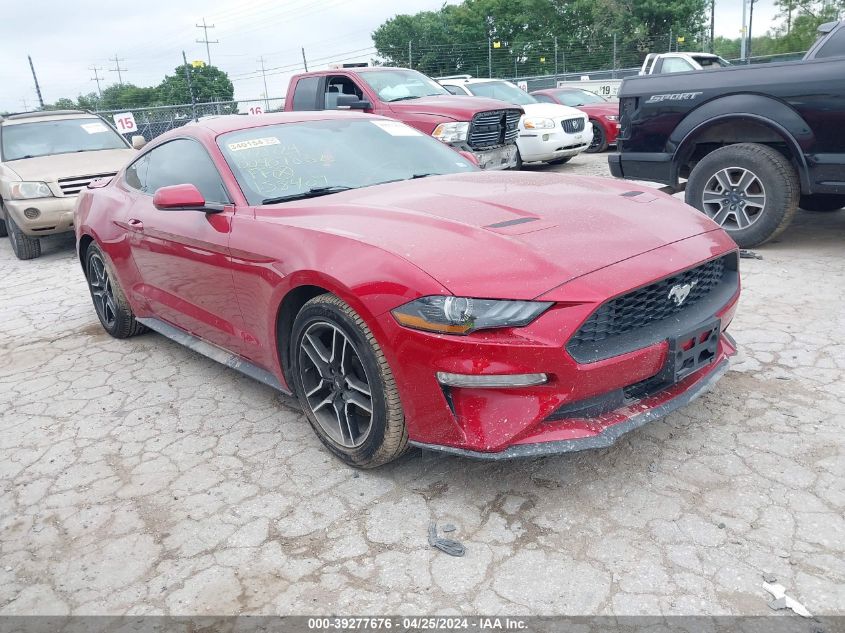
(469, 156)
(138, 141)
(351, 102)
(179, 197)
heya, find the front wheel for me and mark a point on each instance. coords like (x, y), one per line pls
(23, 246)
(749, 190)
(822, 202)
(599, 142)
(345, 385)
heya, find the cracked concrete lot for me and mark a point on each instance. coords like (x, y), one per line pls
(139, 477)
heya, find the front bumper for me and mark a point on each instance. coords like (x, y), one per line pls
(496, 158)
(55, 215)
(551, 144)
(504, 422)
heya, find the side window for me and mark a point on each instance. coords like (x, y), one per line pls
(675, 65)
(835, 46)
(136, 173)
(543, 98)
(305, 93)
(182, 162)
(455, 90)
(337, 85)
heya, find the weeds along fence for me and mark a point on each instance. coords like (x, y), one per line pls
(156, 120)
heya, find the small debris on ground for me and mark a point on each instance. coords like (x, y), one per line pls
(453, 548)
(782, 601)
(652, 467)
(770, 578)
(746, 254)
(448, 527)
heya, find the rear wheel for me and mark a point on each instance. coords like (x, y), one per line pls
(110, 303)
(23, 246)
(599, 142)
(749, 190)
(345, 385)
(822, 202)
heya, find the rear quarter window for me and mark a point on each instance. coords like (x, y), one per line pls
(835, 46)
(305, 93)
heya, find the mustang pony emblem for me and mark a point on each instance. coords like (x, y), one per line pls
(680, 292)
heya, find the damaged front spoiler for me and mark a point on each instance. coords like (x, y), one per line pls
(604, 439)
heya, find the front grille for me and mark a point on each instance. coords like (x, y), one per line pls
(573, 126)
(650, 305)
(72, 186)
(494, 127)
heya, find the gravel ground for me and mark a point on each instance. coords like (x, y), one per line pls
(138, 477)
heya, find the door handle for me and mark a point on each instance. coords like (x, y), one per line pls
(136, 224)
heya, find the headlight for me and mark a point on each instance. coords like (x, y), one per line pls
(451, 132)
(462, 315)
(538, 123)
(612, 117)
(27, 190)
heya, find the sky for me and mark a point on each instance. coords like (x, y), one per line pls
(68, 38)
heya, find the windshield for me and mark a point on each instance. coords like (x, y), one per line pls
(501, 90)
(42, 138)
(305, 159)
(396, 85)
(578, 97)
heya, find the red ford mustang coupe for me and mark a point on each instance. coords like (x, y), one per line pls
(405, 296)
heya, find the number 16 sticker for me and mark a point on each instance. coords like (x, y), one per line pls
(125, 122)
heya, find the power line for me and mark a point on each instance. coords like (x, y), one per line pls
(96, 78)
(117, 69)
(205, 39)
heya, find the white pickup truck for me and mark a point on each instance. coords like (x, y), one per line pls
(654, 64)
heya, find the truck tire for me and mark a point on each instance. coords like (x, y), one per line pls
(23, 246)
(750, 190)
(822, 202)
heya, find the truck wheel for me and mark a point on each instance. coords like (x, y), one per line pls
(345, 384)
(822, 202)
(599, 142)
(23, 246)
(749, 190)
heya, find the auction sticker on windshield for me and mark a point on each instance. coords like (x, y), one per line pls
(255, 142)
(395, 128)
(94, 128)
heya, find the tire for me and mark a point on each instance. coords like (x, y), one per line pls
(330, 386)
(750, 190)
(518, 165)
(23, 246)
(3, 231)
(560, 161)
(599, 142)
(110, 302)
(822, 202)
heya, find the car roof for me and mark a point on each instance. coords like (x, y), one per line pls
(470, 80)
(233, 122)
(42, 115)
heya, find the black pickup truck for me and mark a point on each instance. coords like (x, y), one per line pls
(754, 142)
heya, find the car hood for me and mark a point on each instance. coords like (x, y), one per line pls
(504, 234)
(457, 107)
(51, 168)
(551, 110)
(600, 109)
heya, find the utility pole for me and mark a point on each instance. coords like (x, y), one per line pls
(712, 26)
(96, 78)
(117, 69)
(489, 58)
(750, 20)
(410, 55)
(35, 79)
(304, 61)
(264, 75)
(205, 39)
(743, 42)
(614, 56)
(555, 60)
(190, 86)
(670, 38)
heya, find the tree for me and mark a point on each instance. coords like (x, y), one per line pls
(209, 84)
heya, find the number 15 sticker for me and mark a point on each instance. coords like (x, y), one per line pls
(125, 122)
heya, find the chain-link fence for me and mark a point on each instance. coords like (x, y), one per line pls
(154, 121)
